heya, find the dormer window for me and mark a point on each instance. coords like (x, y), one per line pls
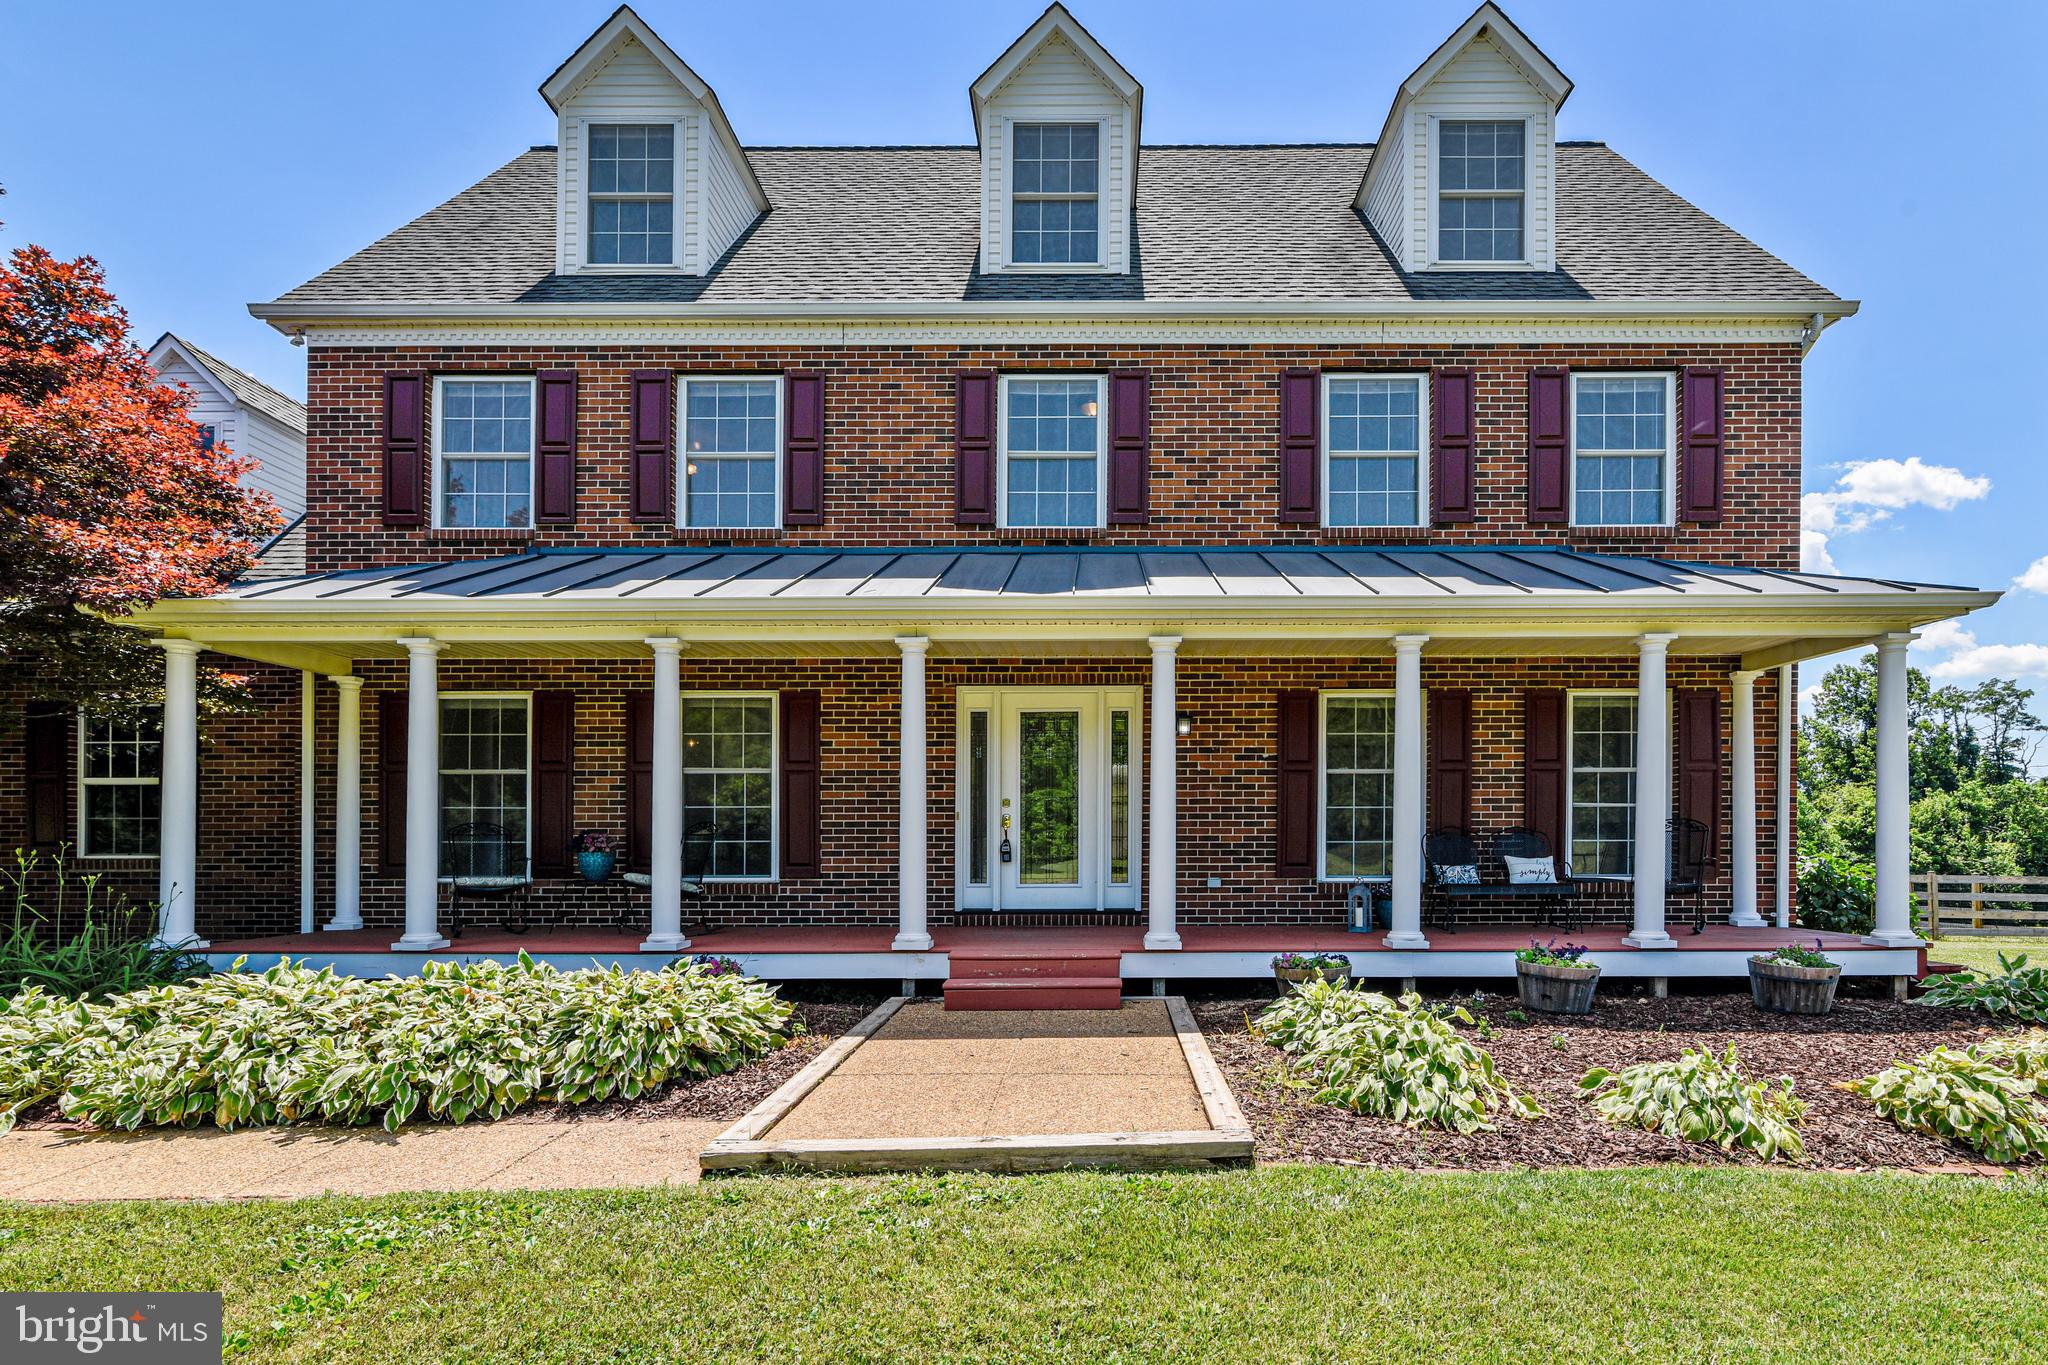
(1055, 184)
(632, 193)
(1480, 183)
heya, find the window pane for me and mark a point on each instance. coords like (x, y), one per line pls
(483, 787)
(977, 799)
(1119, 798)
(492, 418)
(729, 439)
(1375, 433)
(729, 782)
(1058, 164)
(637, 159)
(1053, 435)
(1613, 420)
(1603, 749)
(1358, 742)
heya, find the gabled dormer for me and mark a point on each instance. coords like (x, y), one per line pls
(651, 179)
(1057, 120)
(1465, 173)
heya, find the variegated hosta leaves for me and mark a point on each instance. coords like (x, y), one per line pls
(1702, 1098)
(458, 1041)
(1374, 1055)
(1988, 1096)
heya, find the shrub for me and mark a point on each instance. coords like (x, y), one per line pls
(1373, 1055)
(1702, 1098)
(1977, 1099)
(2015, 991)
(109, 954)
(1836, 894)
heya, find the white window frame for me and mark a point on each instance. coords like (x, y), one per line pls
(774, 700)
(1002, 415)
(1102, 197)
(1563, 856)
(84, 842)
(1422, 448)
(1436, 195)
(436, 457)
(627, 119)
(1670, 443)
(441, 773)
(1323, 700)
(682, 420)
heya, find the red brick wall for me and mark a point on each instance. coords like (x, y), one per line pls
(1215, 470)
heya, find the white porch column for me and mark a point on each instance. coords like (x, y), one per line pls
(911, 852)
(1406, 930)
(1653, 793)
(177, 887)
(1162, 932)
(1894, 927)
(665, 813)
(1742, 855)
(422, 795)
(348, 803)
(1788, 703)
(309, 694)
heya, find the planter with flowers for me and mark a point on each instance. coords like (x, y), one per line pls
(596, 854)
(1794, 980)
(1294, 968)
(1555, 977)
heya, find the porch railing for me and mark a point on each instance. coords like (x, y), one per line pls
(1966, 905)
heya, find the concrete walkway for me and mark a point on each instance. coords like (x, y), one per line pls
(289, 1163)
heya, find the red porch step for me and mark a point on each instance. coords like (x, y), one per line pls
(1026, 979)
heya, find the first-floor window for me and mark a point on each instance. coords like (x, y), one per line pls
(483, 444)
(1603, 785)
(1358, 785)
(729, 780)
(1052, 451)
(1621, 449)
(1373, 440)
(120, 765)
(484, 788)
(731, 433)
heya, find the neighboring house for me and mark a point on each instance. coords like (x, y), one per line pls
(237, 410)
(1141, 544)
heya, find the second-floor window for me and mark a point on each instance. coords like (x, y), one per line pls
(732, 433)
(1054, 179)
(1052, 452)
(1621, 449)
(632, 193)
(1373, 450)
(483, 448)
(1479, 182)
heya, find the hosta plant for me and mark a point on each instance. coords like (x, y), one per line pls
(2023, 1054)
(35, 1028)
(2014, 991)
(1375, 1055)
(1973, 1095)
(1702, 1098)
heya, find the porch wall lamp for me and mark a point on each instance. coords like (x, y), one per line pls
(1183, 724)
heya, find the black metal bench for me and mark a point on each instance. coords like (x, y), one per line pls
(1455, 848)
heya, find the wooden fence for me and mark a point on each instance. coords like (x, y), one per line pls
(1965, 906)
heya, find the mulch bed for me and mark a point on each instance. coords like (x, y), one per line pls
(1546, 1056)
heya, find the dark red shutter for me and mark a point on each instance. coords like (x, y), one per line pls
(1450, 759)
(640, 779)
(555, 446)
(974, 448)
(1296, 825)
(1699, 760)
(1544, 803)
(1701, 461)
(652, 439)
(46, 733)
(391, 740)
(554, 782)
(1550, 483)
(405, 448)
(803, 448)
(801, 813)
(1130, 447)
(1301, 414)
(1452, 474)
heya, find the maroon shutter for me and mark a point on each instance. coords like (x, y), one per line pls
(1296, 825)
(653, 444)
(974, 448)
(405, 448)
(46, 732)
(1130, 447)
(639, 779)
(803, 448)
(1452, 473)
(1301, 484)
(1450, 759)
(1549, 452)
(554, 782)
(555, 446)
(391, 741)
(1701, 462)
(801, 813)
(1543, 769)
(1699, 760)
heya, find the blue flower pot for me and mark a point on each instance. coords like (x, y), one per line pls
(596, 864)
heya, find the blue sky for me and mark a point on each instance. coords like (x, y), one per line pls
(211, 154)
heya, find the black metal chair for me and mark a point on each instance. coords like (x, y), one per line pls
(481, 861)
(1692, 859)
(698, 841)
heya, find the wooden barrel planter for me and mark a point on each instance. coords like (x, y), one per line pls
(1556, 990)
(1783, 988)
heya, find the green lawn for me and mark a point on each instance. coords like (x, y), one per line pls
(1280, 1264)
(1981, 954)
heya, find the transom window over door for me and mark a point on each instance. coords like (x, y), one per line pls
(729, 780)
(632, 193)
(1621, 449)
(483, 438)
(732, 433)
(1052, 452)
(1480, 182)
(1374, 435)
(484, 786)
(120, 767)
(1603, 785)
(1055, 173)
(1358, 785)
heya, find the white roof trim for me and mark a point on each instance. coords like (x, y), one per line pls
(170, 344)
(1056, 20)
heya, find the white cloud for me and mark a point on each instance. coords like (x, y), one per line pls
(1869, 491)
(1999, 661)
(1944, 637)
(2035, 579)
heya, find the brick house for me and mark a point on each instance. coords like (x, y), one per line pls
(911, 549)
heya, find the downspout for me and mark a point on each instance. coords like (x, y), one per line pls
(1788, 702)
(1810, 333)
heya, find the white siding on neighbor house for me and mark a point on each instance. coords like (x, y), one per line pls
(1386, 203)
(282, 453)
(1481, 83)
(1056, 85)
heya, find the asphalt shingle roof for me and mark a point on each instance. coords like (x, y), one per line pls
(1213, 224)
